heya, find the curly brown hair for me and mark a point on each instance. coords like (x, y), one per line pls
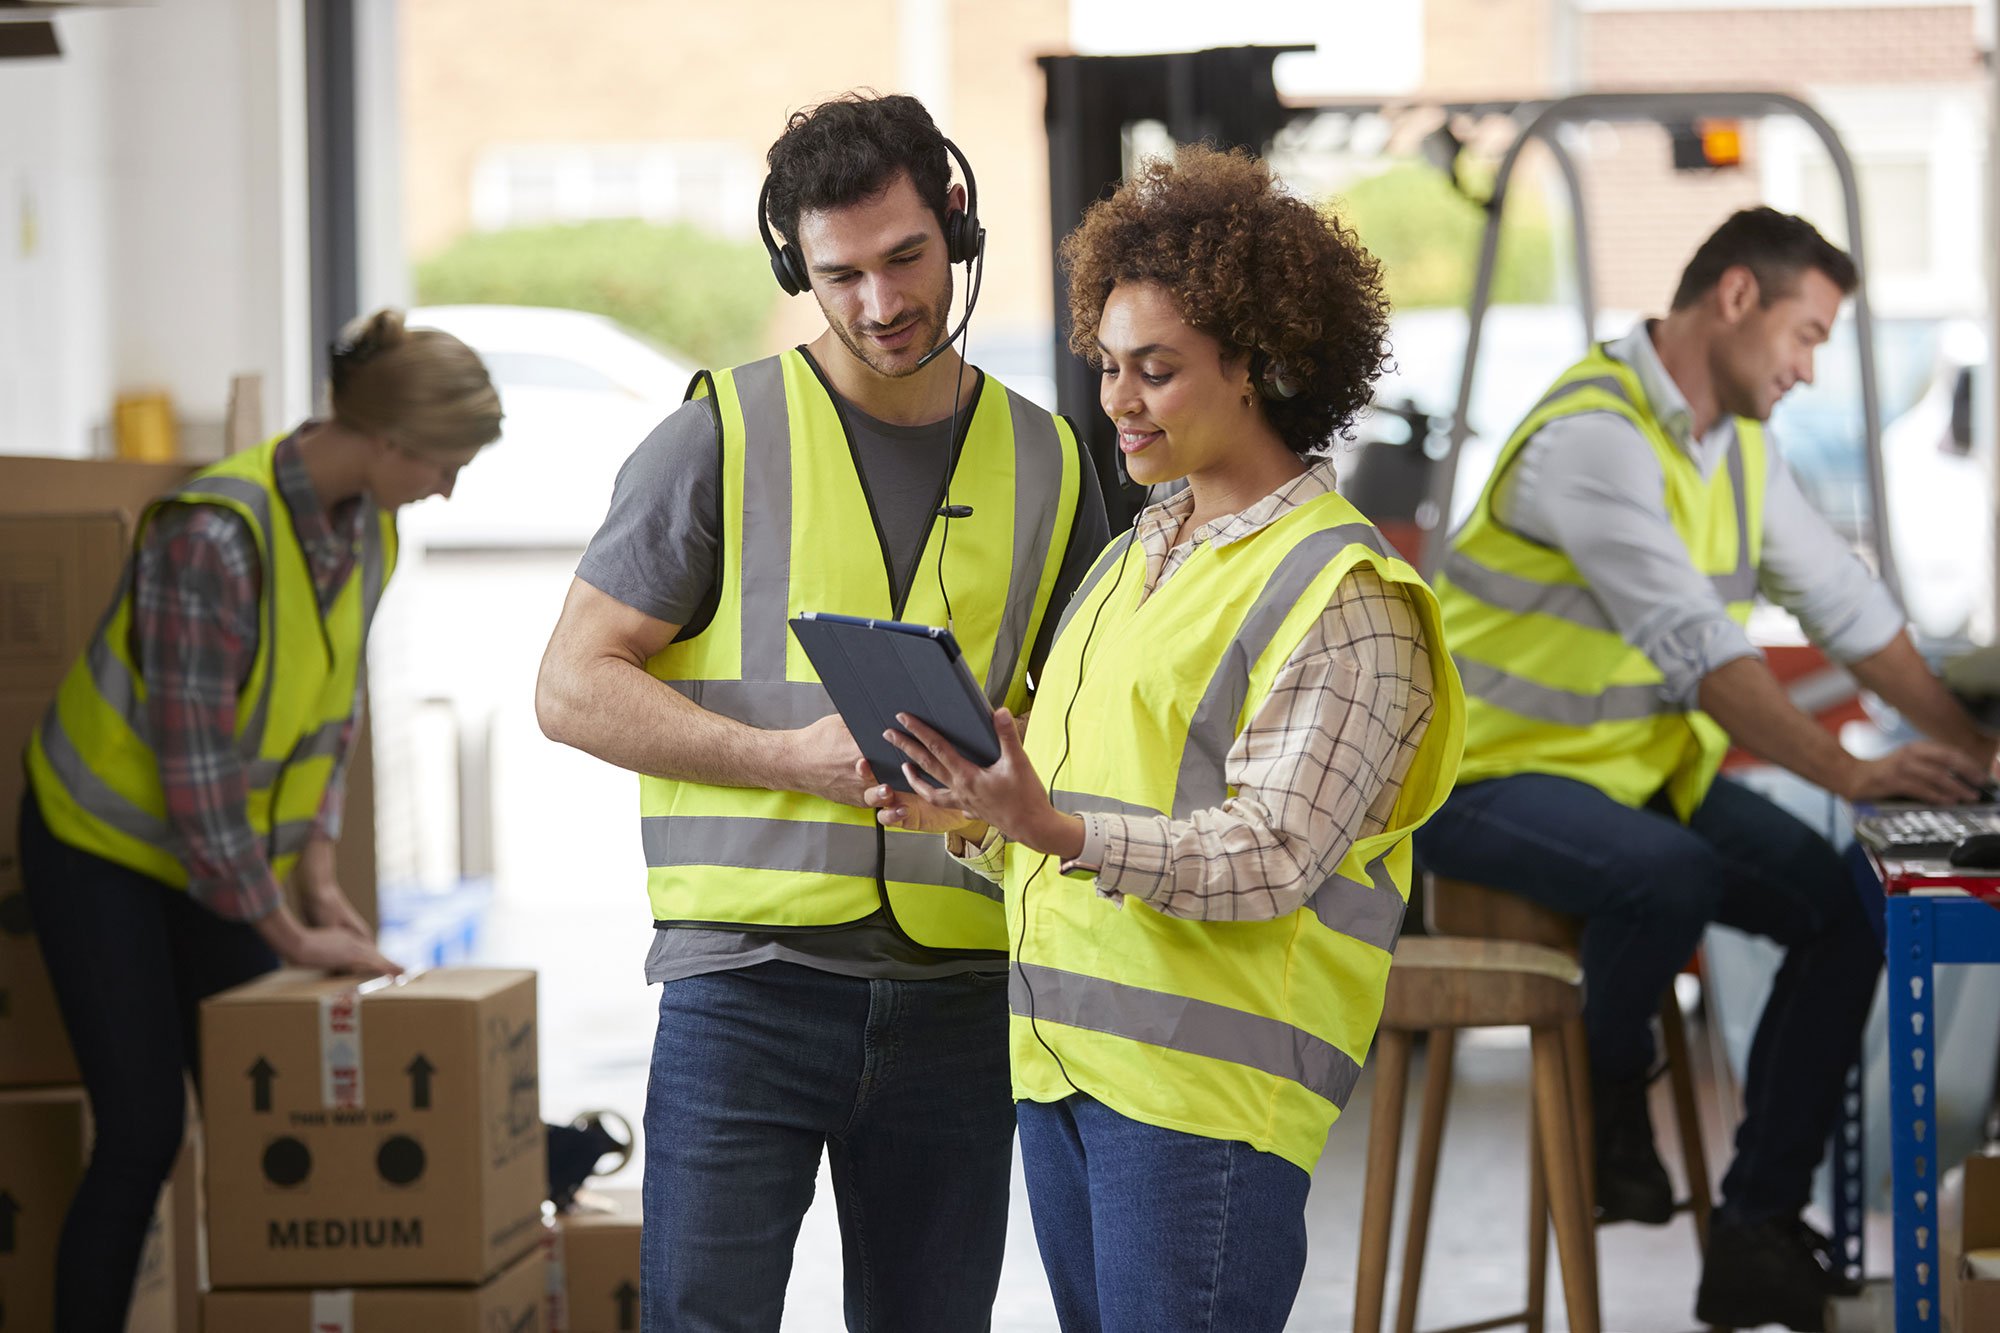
(1265, 274)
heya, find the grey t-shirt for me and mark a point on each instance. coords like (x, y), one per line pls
(657, 553)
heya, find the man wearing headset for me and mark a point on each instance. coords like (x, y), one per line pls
(827, 983)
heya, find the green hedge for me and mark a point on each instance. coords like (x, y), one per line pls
(1427, 236)
(695, 293)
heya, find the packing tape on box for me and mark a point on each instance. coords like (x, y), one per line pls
(333, 1312)
(340, 1051)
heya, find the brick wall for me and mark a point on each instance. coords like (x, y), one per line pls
(1480, 48)
(482, 72)
(1783, 48)
(1648, 219)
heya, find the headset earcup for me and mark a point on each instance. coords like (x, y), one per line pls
(783, 273)
(960, 227)
(785, 267)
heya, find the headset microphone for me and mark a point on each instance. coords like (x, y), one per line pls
(974, 276)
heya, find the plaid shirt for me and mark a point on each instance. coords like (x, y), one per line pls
(1320, 764)
(195, 630)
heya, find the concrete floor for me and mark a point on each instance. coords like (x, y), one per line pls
(598, 1019)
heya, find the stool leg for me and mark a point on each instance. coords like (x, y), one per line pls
(1378, 1192)
(1575, 1240)
(1538, 1225)
(1680, 1072)
(1576, 1047)
(1423, 1187)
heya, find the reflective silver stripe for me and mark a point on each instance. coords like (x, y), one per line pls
(91, 791)
(920, 858)
(1084, 803)
(1741, 585)
(1212, 731)
(1038, 474)
(249, 494)
(802, 847)
(758, 844)
(1178, 1023)
(1105, 563)
(289, 839)
(374, 577)
(1372, 913)
(767, 518)
(770, 704)
(1564, 601)
(1606, 383)
(1511, 592)
(1615, 703)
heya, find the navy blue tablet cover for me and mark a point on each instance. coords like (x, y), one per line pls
(875, 669)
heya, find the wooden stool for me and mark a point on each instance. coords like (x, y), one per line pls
(1458, 907)
(1439, 986)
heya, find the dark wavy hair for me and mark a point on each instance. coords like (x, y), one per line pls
(1776, 248)
(850, 149)
(1262, 272)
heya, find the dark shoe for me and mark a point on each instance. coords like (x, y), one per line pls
(1761, 1273)
(1632, 1185)
(1820, 1246)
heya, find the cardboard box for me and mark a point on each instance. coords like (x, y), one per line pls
(594, 1282)
(56, 575)
(65, 531)
(43, 1138)
(1972, 1285)
(389, 1133)
(510, 1303)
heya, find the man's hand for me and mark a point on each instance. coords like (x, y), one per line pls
(1920, 771)
(913, 814)
(823, 760)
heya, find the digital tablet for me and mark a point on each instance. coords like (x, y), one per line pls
(875, 669)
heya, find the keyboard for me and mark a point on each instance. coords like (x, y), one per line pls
(1925, 833)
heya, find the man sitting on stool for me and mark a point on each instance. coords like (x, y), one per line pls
(1595, 603)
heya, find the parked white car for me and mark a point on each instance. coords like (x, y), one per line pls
(580, 392)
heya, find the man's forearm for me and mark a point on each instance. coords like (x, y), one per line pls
(1746, 699)
(1900, 675)
(617, 712)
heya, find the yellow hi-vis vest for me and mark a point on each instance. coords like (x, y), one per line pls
(1246, 1030)
(1551, 686)
(799, 534)
(92, 762)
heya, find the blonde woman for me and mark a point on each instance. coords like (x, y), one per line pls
(193, 758)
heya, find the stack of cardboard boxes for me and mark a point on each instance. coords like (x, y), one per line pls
(1971, 1257)
(64, 531)
(594, 1266)
(376, 1156)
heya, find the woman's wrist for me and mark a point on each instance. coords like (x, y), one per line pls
(1058, 834)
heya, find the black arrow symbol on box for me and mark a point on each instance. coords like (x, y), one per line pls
(627, 1297)
(261, 1075)
(8, 1211)
(420, 1071)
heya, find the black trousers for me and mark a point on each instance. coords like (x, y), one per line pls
(131, 959)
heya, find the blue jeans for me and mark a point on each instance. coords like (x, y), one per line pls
(1149, 1230)
(903, 1083)
(1647, 887)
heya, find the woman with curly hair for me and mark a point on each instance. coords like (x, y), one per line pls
(1204, 841)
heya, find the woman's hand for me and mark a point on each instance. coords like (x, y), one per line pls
(326, 948)
(1006, 794)
(325, 903)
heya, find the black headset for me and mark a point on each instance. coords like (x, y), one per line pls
(964, 238)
